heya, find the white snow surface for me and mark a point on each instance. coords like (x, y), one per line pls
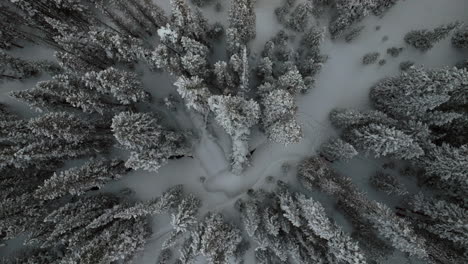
(343, 82)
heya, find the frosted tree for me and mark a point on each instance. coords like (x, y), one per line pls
(460, 38)
(150, 143)
(42, 152)
(349, 12)
(164, 256)
(188, 22)
(425, 39)
(73, 63)
(381, 140)
(337, 150)
(125, 86)
(370, 58)
(292, 81)
(348, 118)
(64, 92)
(185, 216)
(287, 225)
(62, 125)
(310, 60)
(118, 47)
(16, 68)
(419, 93)
(300, 17)
(279, 117)
(388, 183)
(194, 92)
(397, 231)
(19, 214)
(225, 77)
(236, 115)
(216, 239)
(345, 249)
(444, 219)
(282, 11)
(78, 180)
(195, 59)
(447, 164)
(242, 21)
(113, 240)
(168, 201)
(383, 5)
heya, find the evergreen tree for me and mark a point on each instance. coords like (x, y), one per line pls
(444, 219)
(460, 38)
(65, 92)
(16, 68)
(124, 86)
(388, 183)
(419, 94)
(118, 47)
(215, 239)
(337, 150)
(242, 20)
(381, 140)
(300, 17)
(447, 164)
(279, 117)
(425, 39)
(349, 12)
(76, 181)
(349, 118)
(62, 125)
(236, 115)
(397, 231)
(150, 143)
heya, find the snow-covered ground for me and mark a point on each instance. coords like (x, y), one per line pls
(343, 82)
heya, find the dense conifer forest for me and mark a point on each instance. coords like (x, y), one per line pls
(233, 131)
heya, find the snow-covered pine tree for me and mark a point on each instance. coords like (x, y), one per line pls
(278, 118)
(447, 165)
(194, 92)
(419, 93)
(215, 239)
(125, 86)
(338, 150)
(397, 231)
(236, 115)
(63, 92)
(387, 183)
(349, 118)
(460, 38)
(44, 151)
(425, 39)
(62, 125)
(78, 180)
(20, 213)
(349, 12)
(381, 141)
(300, 17)
(150, 143)
(118, 47)
(16, 68)
(445, 219)
(165, 203)
(114, 240)
(242, 19)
